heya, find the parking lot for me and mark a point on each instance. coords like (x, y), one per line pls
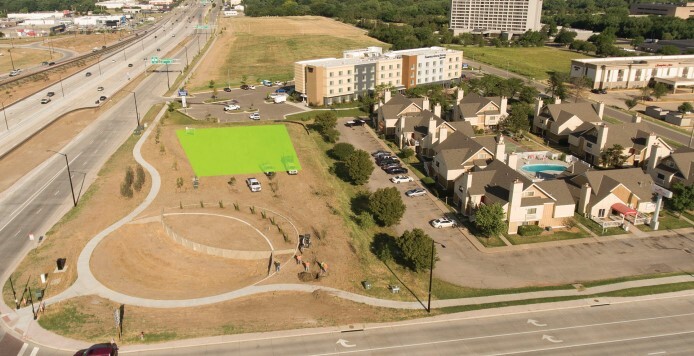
(249, 101)
(461, 263)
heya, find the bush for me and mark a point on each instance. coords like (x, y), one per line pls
(139, 178)
(386, 206)
(331, 135)
(359, 167)
(529, 230)
(365, 220)
(416, 246)
(428, 181)
(406, 153)
(341, 151)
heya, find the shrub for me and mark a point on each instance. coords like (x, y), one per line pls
(489, 220)
(359, 167)
(365, 220)
(341, 151)
(428, 181)
(406, 153)
(529, 230)
(386, 206)
(139, 178)
(416, 249)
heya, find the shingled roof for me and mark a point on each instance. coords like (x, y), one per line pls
(683, 157)
(397, 104)
(602, 182)
(560, 113)
(471, 104)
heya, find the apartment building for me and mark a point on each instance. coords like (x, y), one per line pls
(335, 80)
(677, 167)
(684, 10)
(495, 16)
(635, 72)
(557, 121)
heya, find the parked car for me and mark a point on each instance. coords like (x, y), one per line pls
(281, 91)
(442, 222)
(44, 63)
(100, 89)
(292, 172)
(387, 159)
(130, 65)
(50, 94)
(280, 99)
(275, 95)
(88, 74)
(227, 89)
(595, 91)
(253, 184)
(416, 192)
(387, 166)
(102, 98)
(401, 179)
(269, 174)
(380, 153)
(105, 349)
(278, 83)
(396, 170)
(45, 100)
(231, 107)
(254, 116)
(247, 87)
(15, 73)
(356, 122)
(51, 63)
(158, 49)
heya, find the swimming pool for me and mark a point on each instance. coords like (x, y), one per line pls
(534, 168)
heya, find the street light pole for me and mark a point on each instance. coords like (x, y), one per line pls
(12, 60)
(431, 270)
(69, 175)
(98, 62)
(61, 85)
(186, 47)
(137, 113)
(168, 81)
(5, 114)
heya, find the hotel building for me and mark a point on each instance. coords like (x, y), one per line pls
(335, 80)
(495, 16)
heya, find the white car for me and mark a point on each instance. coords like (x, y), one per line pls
(254, 116)
(417, 192)
(277, 95)
(253, 184)
(401, 179)
(45, 100)
(231, 107)
(442, 222)
(278, 83)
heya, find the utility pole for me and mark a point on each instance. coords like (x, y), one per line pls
(61, 85)
(5, 114)
(431, 270)
(137, 113)
(69, 175)
(168, 81)
(186, 47)
(12, 60)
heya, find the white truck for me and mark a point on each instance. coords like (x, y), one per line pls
(253, 184)
(280, 99)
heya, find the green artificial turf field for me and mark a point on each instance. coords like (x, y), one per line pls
(239, 150)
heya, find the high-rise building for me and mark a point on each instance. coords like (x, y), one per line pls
(335, 80)
(495, 16)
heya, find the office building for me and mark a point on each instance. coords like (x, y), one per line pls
(683, 10)
(495, 16)
(335, 80)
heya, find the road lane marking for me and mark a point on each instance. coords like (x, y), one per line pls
(17, 233)
(34, 351)
(56, 192)
(657, 353)
(21, 351)
(38, 211)
(21, 208)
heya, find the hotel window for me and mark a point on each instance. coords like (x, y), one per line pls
(412, 67)
(427, 64)
(373, 76)
(397, 66)
(339, 81)
(331, 74)
(390, 66)
(411, 82)
(383, 75)
(339, 73)
(349, 80)
(390, 75)
(383, 67)
(349, 88)
(450, 67)
(397, 73)
(419, 65)
(331, 82)
(339, 90)
(331, 91)
(419, 72)
(349, 71)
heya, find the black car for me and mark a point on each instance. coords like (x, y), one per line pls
(396, 170)
(603, 91)
(102, 98)
(50, 94)
(245, 87)
(88, 74)
(380, 153)
(387, 162)
(388, 166)
(387, 159)
(130, 64)
(356, 122)
(227, 89)
(51, 63)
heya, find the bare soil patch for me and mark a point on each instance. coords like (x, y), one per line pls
(84, 43)
(90, 318)
(141, 260)
(25, 57)
(227, 233)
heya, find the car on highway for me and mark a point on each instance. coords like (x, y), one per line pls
(45, 100)
(50, 94)
(248, 87)
(416, 192)
(106, 349)
(158, 49)
(231, 107)
(51, 63)
(253, 184)
(130, 64)
(396, 170)
(401, 179)
(15, 72)
(88, 74)
(254, 116)
(102, 98)
(100, 89)
(442, 222)
(227, 89)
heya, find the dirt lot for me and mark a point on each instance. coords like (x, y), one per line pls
(91, 318)
(85, 43)
(266, 48)
(141, 260)
(25, 58)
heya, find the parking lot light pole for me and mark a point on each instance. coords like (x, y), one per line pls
(98, 62)
(69, 175)
(431, 270)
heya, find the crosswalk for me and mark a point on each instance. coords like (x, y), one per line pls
(25, 347)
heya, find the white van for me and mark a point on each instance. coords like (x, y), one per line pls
(280, 99)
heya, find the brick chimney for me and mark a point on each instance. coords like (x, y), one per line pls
(538, 106)
(557, 100)
(635, 119)
(601, 109)
(503, 107)
(386, 96)
(602, 135)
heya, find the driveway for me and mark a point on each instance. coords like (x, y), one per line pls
(462, 264)
(249, 101)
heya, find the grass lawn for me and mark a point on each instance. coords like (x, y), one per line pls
(594, 227)
(532, 62)
(688, 215)
(239, 150)
(554, 236)
(667, 220)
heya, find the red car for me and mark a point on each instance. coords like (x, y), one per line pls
(106, 349)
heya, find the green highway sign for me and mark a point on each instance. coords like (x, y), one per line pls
(154, 60)
(166, 61)
(202, 27)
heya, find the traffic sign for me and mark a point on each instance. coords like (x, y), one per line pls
(154, 60)
(202, 27)
(166, 61)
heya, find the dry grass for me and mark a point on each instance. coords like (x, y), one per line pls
(266, 48)
(24, 58)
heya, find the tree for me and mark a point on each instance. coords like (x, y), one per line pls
(324, 124)
(386, 205)
(406, 153)
(359, 166)
(528, 94)
(489, 220)
(682, 198)
(659, 90)
(139, 178)
(416, 247)
(341, 151)
(631, 103)
(557, 85)
(565, 37)
(685, 107)
(331, 135)
(613, 157)
(637, 41)
(669, 50)
(580, 85)
(518, 120)
(211, 84)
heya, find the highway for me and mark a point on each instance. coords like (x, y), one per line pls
(111, 72)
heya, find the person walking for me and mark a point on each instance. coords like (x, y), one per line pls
(277, 266)
(306, 266)
(298, 259)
